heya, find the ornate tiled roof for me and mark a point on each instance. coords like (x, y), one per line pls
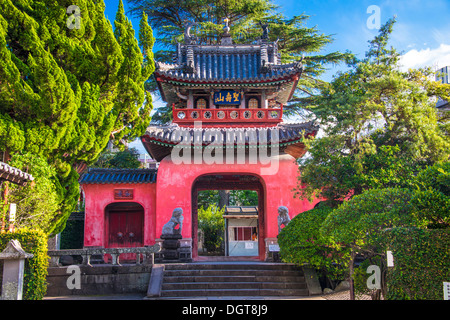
(117, 176)
(242, 67)
(14, 175)
(227, 64)
(159, 140)
(174, 134)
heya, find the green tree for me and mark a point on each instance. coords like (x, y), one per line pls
(431, 198)
(63, 90)
(302, 243)
(358, 224)
(372, 115)
(128, 158)
(38, 203)
(212, 224)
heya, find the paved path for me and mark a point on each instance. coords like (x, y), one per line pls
(143, 297)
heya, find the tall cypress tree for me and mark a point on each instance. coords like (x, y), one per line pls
(64, 88)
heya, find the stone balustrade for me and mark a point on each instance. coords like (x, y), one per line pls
(87, 253)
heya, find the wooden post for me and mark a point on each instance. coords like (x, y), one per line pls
(5, 204)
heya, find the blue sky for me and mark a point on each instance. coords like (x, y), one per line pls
(422, 31)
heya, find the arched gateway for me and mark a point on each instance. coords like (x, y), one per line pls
(227, 133)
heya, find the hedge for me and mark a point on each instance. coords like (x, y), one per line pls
(301, 243)
(35, 275)
(421, 263)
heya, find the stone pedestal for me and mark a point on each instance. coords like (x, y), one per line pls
(174, 249)
(13, 268)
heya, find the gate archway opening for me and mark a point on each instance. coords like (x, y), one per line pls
(229, 181)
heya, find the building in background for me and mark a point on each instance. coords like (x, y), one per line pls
(442, 75)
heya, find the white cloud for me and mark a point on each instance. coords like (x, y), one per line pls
(435, 58)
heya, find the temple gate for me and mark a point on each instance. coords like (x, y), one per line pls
(227, 133)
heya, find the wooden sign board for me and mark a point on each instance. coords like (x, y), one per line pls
(123, 194)
(227, 97)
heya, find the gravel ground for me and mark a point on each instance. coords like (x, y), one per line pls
(344, 295)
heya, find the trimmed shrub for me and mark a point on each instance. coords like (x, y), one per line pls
(421, 263)
(35, 275)
(301, 243)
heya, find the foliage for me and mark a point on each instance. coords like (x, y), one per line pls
(421, 263)
(243, 198)
(359, 223)
(431, 199)
(211, 222)
(72, 237)
(169, 17)
(128, 158)
(64, 91)
(35, 275)
(374, 116)
(38, 203)
(302, 243)
(236, 198)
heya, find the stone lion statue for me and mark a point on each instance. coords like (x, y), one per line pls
(283, 217)
(177, 219)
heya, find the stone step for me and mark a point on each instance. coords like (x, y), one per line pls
(233, 266)
(233, 279)
(233, 285)
(218, 272)
(225, 278)
(234, 292)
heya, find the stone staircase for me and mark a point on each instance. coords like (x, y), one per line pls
(232, 279)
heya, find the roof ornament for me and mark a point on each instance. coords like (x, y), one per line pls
(265, 27)
(226, 37)
(188, 38)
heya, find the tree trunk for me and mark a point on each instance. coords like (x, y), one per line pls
(224, 198)
(352, 287)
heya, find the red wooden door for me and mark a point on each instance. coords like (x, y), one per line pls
(125, 229)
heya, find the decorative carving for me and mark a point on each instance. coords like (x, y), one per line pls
(265, 27)
(283, 217)
(177, 219)
(265, 68)
(188, 38)
(189, 67)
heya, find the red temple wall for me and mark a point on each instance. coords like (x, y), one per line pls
(175, 182)
(173, 188)
(99, 196)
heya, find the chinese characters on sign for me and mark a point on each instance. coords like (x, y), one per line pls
(123, 194)
(227, 97)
